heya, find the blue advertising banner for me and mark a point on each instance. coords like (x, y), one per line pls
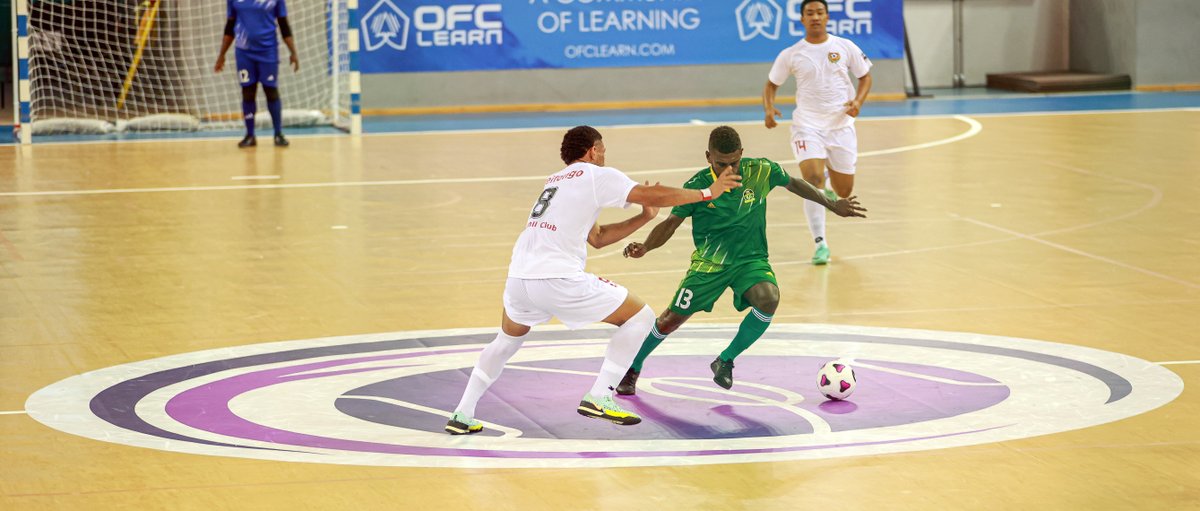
(463, 35)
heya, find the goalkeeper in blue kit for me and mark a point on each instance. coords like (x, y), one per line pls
(251, 24)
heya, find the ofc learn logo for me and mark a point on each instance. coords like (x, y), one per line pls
(433, 26)
(764, 18)
(759, 17)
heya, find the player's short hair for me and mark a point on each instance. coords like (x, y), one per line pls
(724, 140)
(577, 142)
(806, 2)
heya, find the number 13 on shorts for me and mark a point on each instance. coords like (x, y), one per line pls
(684, 300)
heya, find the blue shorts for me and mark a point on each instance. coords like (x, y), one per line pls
(254, 69)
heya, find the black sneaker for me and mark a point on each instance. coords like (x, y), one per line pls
(249, 141)
(280, 141)
(722, 372)
(628, 385)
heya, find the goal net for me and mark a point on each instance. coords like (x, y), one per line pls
(112, 65)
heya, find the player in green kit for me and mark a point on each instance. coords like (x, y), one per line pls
(730, 234)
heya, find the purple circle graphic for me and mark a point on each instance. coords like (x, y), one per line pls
(383, 399)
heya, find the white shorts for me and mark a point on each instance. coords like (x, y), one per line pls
(839, 147)
(576, 301)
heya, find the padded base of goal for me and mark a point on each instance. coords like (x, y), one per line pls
(160, 122)
(1057, 81)
(291, 118)
(71, 126)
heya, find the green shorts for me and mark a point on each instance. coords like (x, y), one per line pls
(699, 291)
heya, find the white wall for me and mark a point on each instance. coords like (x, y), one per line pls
(1168, 42)
(998, 36)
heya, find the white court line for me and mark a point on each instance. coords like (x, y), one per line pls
(1158, 194)
(1061, 113)
(939, 310)
(13, 412)
(1082, 253)
(1157, 197)
(1178, 362)
(926, 377)
(787, 122)
(223, 139)
(975, 128)
(508, 432)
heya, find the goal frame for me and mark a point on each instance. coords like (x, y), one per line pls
(22, 92)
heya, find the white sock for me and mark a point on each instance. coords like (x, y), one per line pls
(622, 349)
(487, 369)
(816, 220)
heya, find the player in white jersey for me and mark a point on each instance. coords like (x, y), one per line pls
(823, 135)
(547, 279)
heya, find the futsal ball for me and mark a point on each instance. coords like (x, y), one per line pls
(836, 380)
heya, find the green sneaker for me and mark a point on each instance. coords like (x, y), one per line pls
(722, 372)
(605, 408)
(460, 424)
(831, 195)
(821, 256)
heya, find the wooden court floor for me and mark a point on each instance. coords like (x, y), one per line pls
(1075, 229)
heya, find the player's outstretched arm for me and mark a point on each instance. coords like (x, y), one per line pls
(658, 236)
(604, 235)
(667, 196)
(840, 207)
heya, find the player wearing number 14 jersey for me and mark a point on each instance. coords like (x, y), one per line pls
(730, 234)
(547, 279)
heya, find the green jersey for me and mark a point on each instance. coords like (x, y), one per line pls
(732, 228)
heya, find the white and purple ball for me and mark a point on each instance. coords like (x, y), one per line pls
(836, 380)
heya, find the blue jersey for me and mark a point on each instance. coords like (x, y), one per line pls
(254, 33)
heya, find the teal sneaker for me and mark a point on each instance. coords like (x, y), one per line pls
(605, 408)
(460, 424)
(821, 256)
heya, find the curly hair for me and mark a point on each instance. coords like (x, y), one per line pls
(577, 142)
(724, 140)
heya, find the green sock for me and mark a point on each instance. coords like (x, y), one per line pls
(752, 328)
(652, 341)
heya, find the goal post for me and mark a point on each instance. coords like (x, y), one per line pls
(89, 66)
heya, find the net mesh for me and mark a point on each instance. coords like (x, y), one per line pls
(81, 53)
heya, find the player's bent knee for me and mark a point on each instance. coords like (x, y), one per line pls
(511, 328)
(628, 309)
(670, 321)
(767, 304)
(764, 297)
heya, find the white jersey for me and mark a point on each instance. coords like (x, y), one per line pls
(823, 84)
(553, 244)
